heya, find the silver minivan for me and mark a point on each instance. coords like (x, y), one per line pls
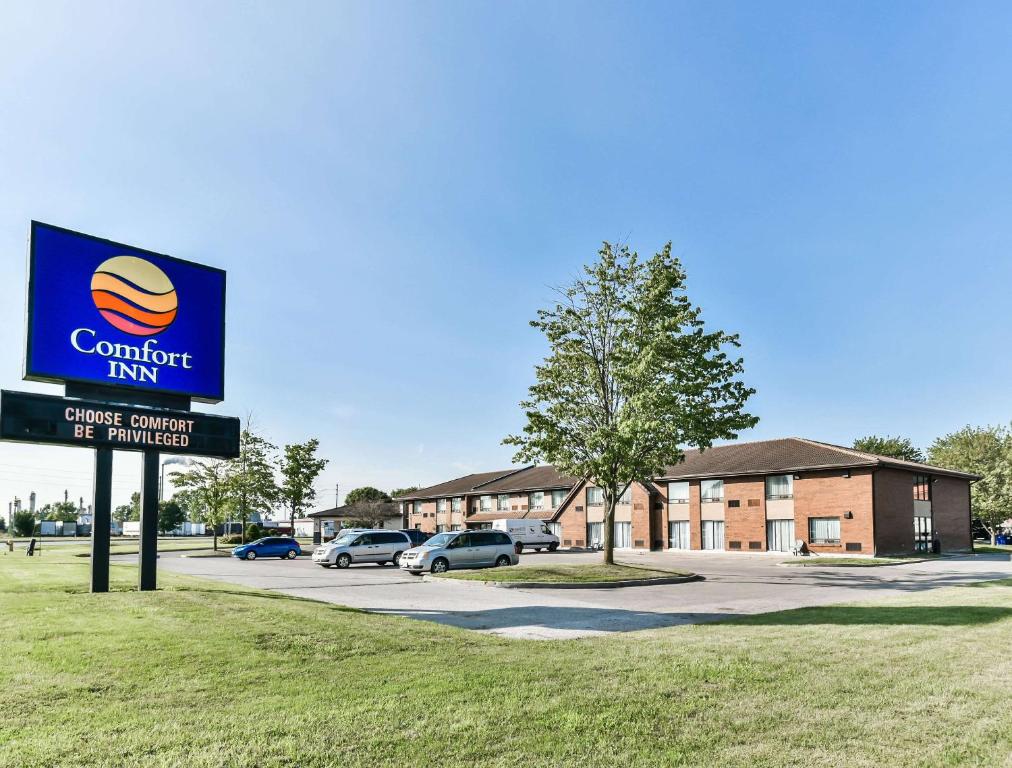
(368, 546)
(461, 549)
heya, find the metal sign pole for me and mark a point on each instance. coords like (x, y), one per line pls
(149, 523)
(100, 520)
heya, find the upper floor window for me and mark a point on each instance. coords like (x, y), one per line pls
(486, 504)
(595, 497)
(441, 505)
(626, 497)
(678, 493)
(780, 487)
(418, 507)
(558, 496)
(922, 488)
(455, 503)
(503, 502)
(537, 500)
(711, 490)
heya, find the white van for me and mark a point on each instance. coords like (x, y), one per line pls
(532, 534)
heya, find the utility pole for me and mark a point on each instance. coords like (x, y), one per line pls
(337, 494)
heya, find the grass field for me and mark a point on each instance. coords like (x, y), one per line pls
(571, 574)
(204, 674)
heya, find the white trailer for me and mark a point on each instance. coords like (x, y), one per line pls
(530, 534)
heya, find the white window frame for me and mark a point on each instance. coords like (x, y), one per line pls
(558, 496)
(678, 492)
(830, 521)
(536, 500)
(593, 490)
(777, 496)
(455, 503)
(441, 506)
(502, 502)
(706, 490)
(485, 503)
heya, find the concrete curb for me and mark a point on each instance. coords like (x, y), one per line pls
(831, 564)
(569, 584)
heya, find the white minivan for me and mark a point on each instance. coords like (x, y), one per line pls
(533, 534)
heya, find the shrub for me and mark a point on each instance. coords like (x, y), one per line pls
(23, 523)
(253, 532)
(232, 538)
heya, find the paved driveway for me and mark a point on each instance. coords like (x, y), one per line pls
(733, 585)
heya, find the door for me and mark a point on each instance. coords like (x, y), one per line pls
(713, 534)
(623, 535)
(385, 544)
(363, 550)
(678, 534)
(779, 535)
(459, 551)
(483, 547)
(595, 534)
(269, 548)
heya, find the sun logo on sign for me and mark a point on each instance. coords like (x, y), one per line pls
(134, 296)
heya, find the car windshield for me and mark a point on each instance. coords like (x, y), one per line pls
(440, 540)
(344, 539)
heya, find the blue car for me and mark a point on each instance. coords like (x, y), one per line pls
(269, 546)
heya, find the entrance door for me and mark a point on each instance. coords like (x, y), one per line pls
(713, 534)
(678, 534)
(779, 535)
(623, 535)
(595, 534)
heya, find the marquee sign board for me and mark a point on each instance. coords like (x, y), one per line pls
(110, 314)
(35, 418)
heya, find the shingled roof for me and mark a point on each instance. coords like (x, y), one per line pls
(529, 479)
(789, 454)
(458, 486)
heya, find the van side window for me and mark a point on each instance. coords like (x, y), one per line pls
(362, 541)
(502, 538)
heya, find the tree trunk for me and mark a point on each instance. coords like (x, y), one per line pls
(214, 533)
(609, 529)
(993, 532)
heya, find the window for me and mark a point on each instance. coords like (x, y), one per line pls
(711, 490)
(678, 534)
(455, 504)
(555, 528)
(824, 530)
(418, 508)
(441, 529)
(502, 538)
(780, 487)
(713, 534)
(734, 502)
(558, 496)
(779, 535)
(595, 534)
(922, 534)
(482, 538)
(678, 493)
(482, 526)
(623, 535)
(922, 488)
(455, 528)
(503, 502)
(486, 504)
(595, 497)
(626, 497)
(537, 500)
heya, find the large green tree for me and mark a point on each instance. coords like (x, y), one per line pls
(365, 493)
(398, 492)
(23, 523)
(252, 486)
(896, 447)
(60, 510)
(209, 484)
(632, 377)
(300, 466)
(985, 451)
(170, 515)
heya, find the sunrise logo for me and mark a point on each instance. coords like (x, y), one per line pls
(134, 296)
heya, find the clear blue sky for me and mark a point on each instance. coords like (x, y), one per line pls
(394, 187)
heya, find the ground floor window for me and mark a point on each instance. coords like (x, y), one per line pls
(454, 527)
(482, 526)
(441, 529)
(555, 528)
(922, 534)
(595, 534)
(779, 535)
(713, 534)
(678, 534)
(623, 535)
(824, 530)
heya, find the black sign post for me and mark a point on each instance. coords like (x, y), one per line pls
(148, 563)
(101, 520)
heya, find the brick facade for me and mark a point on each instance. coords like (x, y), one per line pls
(950, 507)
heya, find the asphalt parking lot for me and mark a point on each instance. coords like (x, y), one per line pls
(733, 585)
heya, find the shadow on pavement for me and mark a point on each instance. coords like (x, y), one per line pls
(911, 615)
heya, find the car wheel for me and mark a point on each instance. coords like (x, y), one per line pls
(397, 559)
(381, 563)
(553, 546)
(292, 554)
(502, 561)
(440, 565)
(537, 549)
(519, 547)
(343, 560)
(251, 555)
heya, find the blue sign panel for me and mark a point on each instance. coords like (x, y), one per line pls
(105, 313)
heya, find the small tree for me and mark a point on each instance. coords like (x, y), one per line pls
(630, 378)
(209, 482)
(985, 451)
(366, 493)
(398, 492)
(299, 469)
(251, 476)
(896, 447)
(61, 510)
(170, 515)
(23, 523)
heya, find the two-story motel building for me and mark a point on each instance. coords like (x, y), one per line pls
(749, 497)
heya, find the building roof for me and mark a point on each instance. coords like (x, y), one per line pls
(458, 486)
(384, 509)
(789, 454)
(529, 479)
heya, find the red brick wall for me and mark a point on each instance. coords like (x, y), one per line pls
(641, 528)
(574, 519)
(745, 524)
(950, 508)
(695, 524)
(830, 494)
(894, 512)
(428, 524)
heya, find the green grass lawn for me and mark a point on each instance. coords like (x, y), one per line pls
(993, 549)
(205, 674)
(554, 574)
(853, 561)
